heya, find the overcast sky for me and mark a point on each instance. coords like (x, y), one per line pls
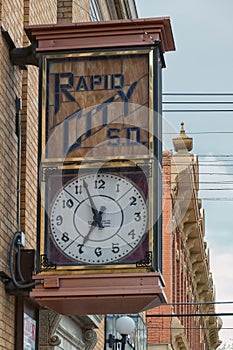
(203, 63)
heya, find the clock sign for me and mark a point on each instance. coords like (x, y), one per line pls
(99, 222)
(98, 219)
(99, 161)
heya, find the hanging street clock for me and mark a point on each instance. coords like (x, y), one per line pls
(100, 162)
(100, 150)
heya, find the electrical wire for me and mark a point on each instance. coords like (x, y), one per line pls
(202, 314)
(21, 284)
(187, 328)
(200, 133)
(18, 284)
(200, 303)
(197, 94)
(196, 103)
(197, 110)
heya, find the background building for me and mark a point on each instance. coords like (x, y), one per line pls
(184, 322)
(44, 329)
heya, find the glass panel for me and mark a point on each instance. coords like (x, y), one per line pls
(97, 106)
(121, 230)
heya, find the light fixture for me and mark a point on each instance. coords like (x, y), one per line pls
(125, 325)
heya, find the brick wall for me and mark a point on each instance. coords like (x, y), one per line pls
(10, 88)
(100, 336)
(159, 328)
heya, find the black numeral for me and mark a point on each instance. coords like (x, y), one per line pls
(65, 237)
(99, 184)
(132, 234)
(137, 216)
(78, 189)
(115, 248)
(80, 248)
(118, 187)
(69, 203)
(133, 201)
(98, 251)
(59, 220)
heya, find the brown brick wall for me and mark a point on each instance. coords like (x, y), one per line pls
(81, 11)
(71, 11)
(159, 328)
(10, 88)
(42, 12)
(100, 336)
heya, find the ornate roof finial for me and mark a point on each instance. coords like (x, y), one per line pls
(182, 131)
(182, 143)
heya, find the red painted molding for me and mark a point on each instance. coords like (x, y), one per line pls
(100, 293)
(109, 34)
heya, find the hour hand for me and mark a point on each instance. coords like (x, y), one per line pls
(97, 221)
(98, 218)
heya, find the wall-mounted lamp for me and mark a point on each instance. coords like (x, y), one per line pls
(125, 325)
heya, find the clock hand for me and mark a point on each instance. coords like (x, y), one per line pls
(96, 222)
(98, 218)
(93, 207)
(93, 225)
(97, 214)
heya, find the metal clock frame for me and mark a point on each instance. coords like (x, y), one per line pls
(153, 260)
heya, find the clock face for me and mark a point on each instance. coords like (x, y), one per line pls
(98, 218)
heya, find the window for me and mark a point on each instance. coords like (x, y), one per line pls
(96, 13)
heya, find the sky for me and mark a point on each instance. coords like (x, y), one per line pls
(203, 63)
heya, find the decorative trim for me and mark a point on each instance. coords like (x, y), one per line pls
(45, 264)
(146, 262)
(90, 337)
(146, 168)
(49, 321)
(54, 340)
(89, 35)
(46, 170)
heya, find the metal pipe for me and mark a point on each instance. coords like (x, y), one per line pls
(19, 134)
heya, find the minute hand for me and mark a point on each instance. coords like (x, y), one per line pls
(97, 217)
(93, 207)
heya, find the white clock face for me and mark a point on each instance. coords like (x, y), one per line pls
(98, 219)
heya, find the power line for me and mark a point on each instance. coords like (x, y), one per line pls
(202, 164)
(195, 102)
(204, 314)
(209, 155)
(197, 110)
(188, 328)
(201, 303)
(199, 132)
(215, 199)
(198, 102)
(197, 94)
(206, 173)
